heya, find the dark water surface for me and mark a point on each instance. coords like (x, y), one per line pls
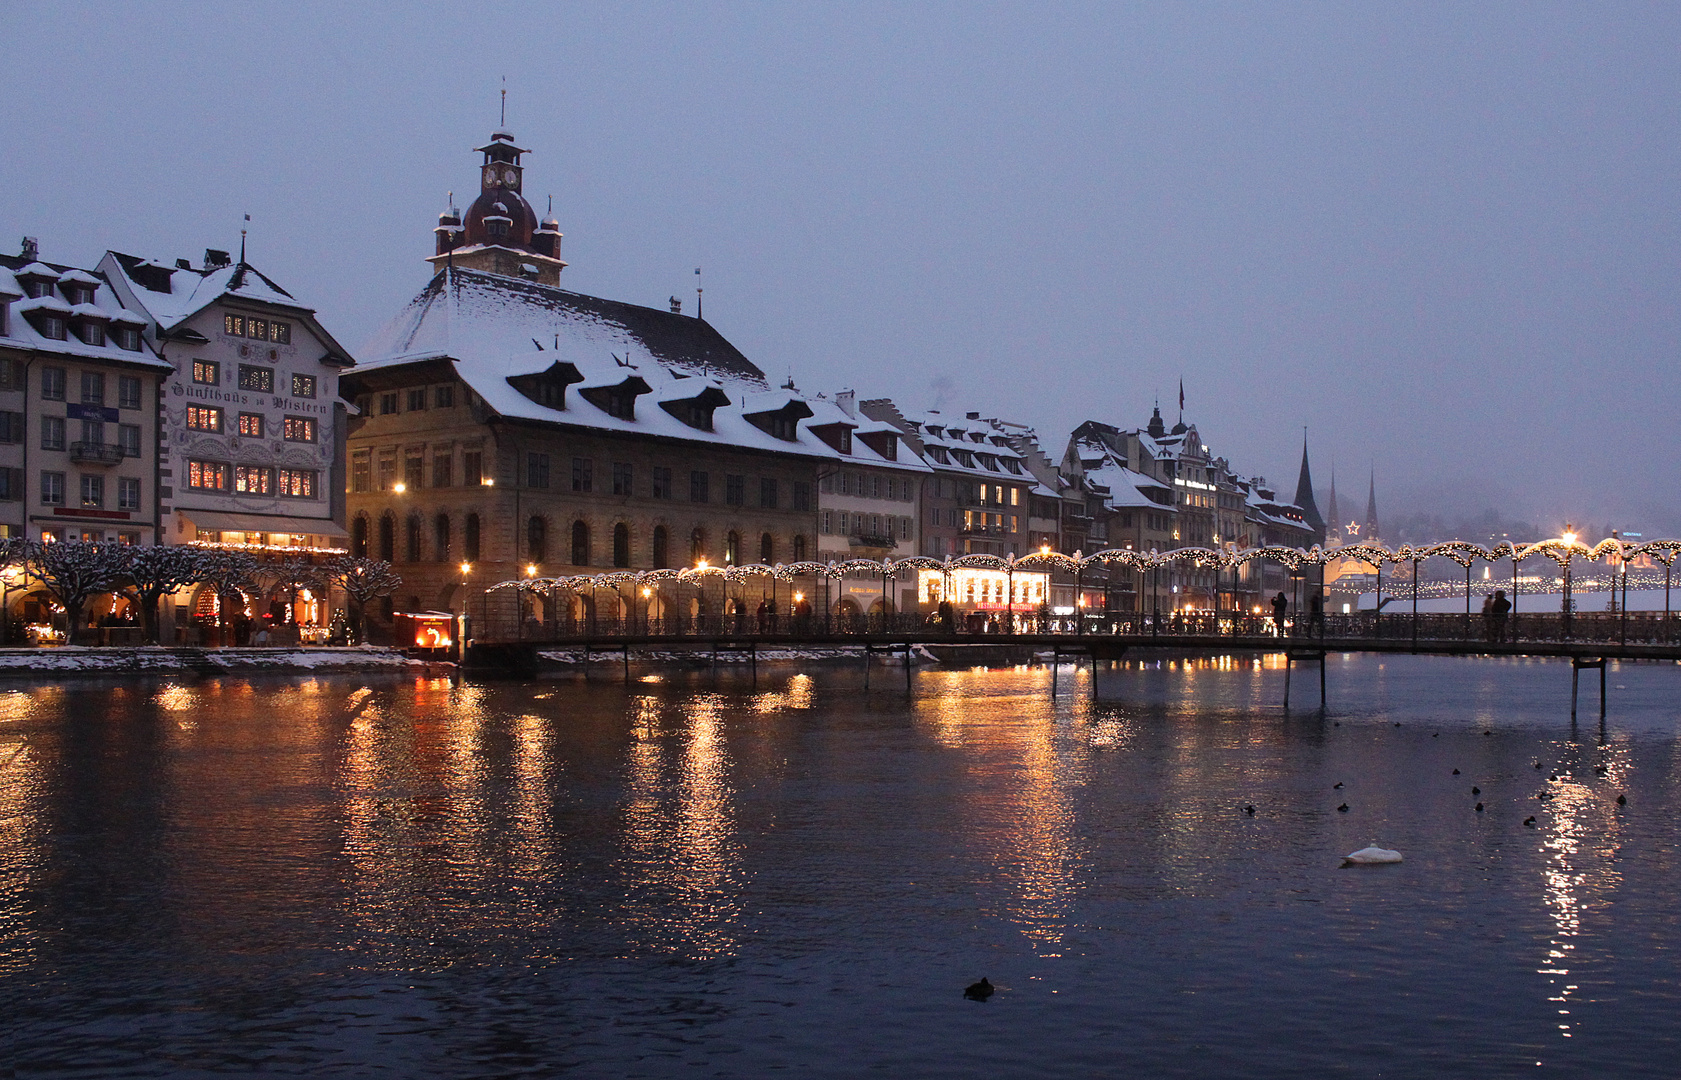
(346, 877)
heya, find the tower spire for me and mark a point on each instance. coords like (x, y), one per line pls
(1333, 524)
(1371, 532)
(1304, 496)
(504, 122)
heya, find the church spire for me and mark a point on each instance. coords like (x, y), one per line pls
(1371, 530)
(1333, 524)
(1304, 496)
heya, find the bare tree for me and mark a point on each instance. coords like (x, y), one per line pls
(293, 577)
(14, 555)
(75, 571)
(228, 572)
(362, 580)
(155, 572)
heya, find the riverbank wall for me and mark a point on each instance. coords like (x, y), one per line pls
(74, 661)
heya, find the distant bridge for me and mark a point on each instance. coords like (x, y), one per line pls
(656, 592)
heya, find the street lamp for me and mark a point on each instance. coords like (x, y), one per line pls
(11, 579)
(1569, 541)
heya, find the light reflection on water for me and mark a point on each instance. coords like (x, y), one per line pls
(696, 873)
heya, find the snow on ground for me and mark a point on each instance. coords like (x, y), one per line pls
(80, 660)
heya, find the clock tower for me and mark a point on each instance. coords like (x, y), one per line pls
(500, 233)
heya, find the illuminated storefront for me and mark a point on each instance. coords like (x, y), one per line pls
(984, 590)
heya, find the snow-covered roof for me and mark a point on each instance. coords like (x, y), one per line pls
(973, 447)
(191, 291)
(494, 329)
(43, 303)
(105, 306)
(470, 316)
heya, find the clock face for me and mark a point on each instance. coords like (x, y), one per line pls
(510, 178)
(489, 176)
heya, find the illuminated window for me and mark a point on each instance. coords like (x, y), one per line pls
(93, 491)
(259, 379)
(207, 372)
(280, 333)
(251, 480)
(256, 328)
(303, 385)
(297, 483)
(233, 325)
(204, 418)
(207, 475)
(251, 425)
(299, 429)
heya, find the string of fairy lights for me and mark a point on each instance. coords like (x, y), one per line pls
(1563, 551)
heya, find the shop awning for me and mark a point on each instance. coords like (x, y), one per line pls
(218, 521)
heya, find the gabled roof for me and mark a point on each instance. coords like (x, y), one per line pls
(473, 316)
(191, 291)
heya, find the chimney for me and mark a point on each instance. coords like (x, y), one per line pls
(676, 306)
(848, 402)
(214, 259)
(972, 416)
(31, 248)
(183, 264)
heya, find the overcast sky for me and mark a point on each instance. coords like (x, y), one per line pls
(1442, 237)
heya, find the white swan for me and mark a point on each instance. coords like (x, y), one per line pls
(1371, 856)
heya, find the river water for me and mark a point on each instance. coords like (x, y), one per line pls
(391, 877)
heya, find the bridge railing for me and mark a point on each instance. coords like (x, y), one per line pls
(1634, 628)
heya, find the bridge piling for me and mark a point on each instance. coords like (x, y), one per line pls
(627, 665)
(1577, 663)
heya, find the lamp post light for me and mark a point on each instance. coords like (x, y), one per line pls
(13, 577)
(1569, 541)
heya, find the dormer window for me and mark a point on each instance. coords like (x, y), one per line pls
(37, 280)
(47, 314)
(93, 333)
(781, 423)
(617, 401)
(837, 436)
(547, 388)
(697, 411)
